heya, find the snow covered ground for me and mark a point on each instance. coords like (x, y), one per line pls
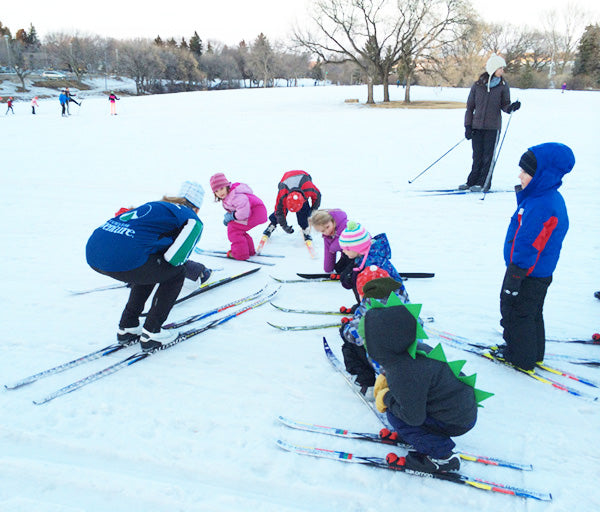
(194, 428)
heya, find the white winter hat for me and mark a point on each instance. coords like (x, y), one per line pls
(193, 192)
(494, 63)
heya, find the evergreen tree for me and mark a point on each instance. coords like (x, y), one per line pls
(587, 61)
(196, 45)
(32, 37)
(183, 45)
(158, 41)
(171, 43)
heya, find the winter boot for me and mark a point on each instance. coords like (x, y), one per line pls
(205, 276)
(464, 186)
(155, 340)
(306, 233)
(269, 231)
(127, 335)
(476, 188)
(427, 464)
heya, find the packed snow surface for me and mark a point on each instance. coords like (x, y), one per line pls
(194, 428)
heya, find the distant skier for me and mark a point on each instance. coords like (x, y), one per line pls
(70, 99)
(244, 211)
(9, 106)
(295, 189)
(563, 87)
(34, 104)
(489, 96)
(63, 103)
(531, 250)
(112, 98)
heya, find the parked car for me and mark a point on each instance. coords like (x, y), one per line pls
(53, 74)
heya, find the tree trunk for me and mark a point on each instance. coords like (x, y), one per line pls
(407, 89)
(370, 99)
(386, 86)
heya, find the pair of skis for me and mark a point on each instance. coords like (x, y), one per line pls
(485, 352)
(312, 327)
(380, 462)
(253, 259)
(138, 356)
(457, 192)
(323, 277)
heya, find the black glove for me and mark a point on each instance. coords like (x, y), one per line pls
(348, 278)
(288, 229)
(512, 282)
(513, 107)
(468, 132)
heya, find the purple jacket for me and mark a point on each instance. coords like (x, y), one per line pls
(241, 201)
(332, 243)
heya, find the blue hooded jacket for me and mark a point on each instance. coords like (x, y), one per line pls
(538, 227)
(125, 242)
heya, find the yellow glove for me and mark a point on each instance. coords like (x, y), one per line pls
(381, 407)
(380, 383)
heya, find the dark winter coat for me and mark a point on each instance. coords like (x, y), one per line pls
(539, 225)
(484, 107)
(125, 242)
(420, 387)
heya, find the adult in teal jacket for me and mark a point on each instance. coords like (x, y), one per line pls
(145, 246)
(531, 251)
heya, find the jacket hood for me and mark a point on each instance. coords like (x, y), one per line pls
(241, 188)
(389, 332)
(554, 160)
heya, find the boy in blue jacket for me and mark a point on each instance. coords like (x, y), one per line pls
(531, 251)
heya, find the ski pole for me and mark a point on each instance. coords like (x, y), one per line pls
(488, 180)
(423, 172)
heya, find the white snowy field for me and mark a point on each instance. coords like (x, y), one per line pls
(194, 428)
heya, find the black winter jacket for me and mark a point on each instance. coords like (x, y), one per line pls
(419, 387)
(483, 106)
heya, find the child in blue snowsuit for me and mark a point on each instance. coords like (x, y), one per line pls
(531, 251)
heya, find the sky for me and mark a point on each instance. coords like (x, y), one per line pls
(228, 21)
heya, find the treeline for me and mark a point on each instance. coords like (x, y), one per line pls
(156, 66)
(449, 49)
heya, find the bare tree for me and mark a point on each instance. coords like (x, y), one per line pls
(563, 31)
(378, 35)
(141, 62)
(21, 59)
(81, 54)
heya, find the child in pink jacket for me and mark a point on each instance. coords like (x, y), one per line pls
(244, 211)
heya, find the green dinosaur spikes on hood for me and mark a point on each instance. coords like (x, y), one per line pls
(393, 329)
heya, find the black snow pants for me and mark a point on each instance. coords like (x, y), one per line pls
(484, 143)
(523, 322)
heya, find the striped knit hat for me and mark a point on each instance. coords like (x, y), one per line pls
(355, 238)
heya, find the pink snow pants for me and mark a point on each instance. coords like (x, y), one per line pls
(242, 245)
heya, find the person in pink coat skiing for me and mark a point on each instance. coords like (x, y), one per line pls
(243, 212)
